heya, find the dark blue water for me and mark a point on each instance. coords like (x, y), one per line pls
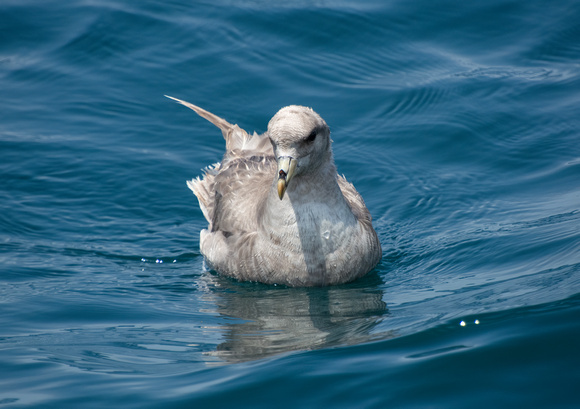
(458, 122)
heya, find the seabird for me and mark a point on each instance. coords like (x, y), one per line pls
(278, 212)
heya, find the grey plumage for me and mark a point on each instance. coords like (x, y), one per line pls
(277, 210)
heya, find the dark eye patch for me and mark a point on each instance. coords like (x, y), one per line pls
(312, 136)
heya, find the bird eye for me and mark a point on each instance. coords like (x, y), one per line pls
(311, 137)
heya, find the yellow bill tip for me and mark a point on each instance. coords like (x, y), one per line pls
(281, 188)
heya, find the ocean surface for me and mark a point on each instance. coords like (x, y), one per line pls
(458, 122)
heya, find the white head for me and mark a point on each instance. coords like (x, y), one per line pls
(301, 141)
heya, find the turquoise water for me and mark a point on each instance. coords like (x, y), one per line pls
(458, 122)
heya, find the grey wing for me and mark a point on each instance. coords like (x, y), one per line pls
(246, 169)
(357, 205)
(241, 188)
(355, 201)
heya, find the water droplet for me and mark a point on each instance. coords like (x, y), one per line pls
(143, 260)
(326, 234)
(476, 322)
(462, 323)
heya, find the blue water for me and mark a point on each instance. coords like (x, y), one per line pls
(458, 122)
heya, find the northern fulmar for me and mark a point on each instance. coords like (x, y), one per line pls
(278, 212)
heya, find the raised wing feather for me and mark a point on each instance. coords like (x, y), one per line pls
(239, 143)
(245, 172)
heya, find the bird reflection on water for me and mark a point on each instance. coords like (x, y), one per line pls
(268, 320)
